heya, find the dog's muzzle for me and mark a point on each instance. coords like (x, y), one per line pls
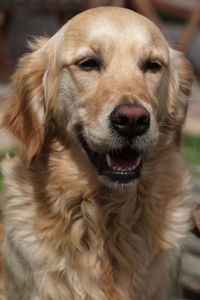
(123, 164)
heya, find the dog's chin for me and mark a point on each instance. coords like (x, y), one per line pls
(117, 167)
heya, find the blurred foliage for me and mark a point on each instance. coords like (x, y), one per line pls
(191, 148)
(11, 153)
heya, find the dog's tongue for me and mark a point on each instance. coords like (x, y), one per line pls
(124, 160)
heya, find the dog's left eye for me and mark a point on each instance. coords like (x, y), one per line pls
(152, 66)
(90, 64)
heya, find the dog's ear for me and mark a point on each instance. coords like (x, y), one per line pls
(180, 83)
(25, 117)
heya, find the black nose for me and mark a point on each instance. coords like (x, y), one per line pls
(130, 120)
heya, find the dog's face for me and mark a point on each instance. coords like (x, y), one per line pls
(114, 88)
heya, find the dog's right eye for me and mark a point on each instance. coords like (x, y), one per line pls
(89, 64)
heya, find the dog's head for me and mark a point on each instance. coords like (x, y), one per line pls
(111, 85)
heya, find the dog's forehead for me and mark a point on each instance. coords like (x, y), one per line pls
(105, 25)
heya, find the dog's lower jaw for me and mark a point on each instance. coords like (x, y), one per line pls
(117, 168)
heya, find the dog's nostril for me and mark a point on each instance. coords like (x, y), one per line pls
(130, 120)
(121, 120)
(143, 121)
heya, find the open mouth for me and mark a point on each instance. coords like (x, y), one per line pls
(120, 166)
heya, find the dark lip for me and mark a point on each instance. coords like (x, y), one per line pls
(99, 161)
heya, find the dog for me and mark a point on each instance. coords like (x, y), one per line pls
(96, 204)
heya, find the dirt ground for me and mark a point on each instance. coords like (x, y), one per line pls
(192, 124)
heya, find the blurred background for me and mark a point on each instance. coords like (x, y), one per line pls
(179, 21)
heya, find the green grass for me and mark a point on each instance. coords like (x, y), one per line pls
(192, 149)
(2, 156)
(191, 146)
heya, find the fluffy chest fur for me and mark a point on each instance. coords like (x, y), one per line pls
(92, 243)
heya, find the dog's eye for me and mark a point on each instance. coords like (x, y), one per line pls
(90, 64)
(152, 66)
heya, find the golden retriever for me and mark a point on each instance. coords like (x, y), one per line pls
(96, 206)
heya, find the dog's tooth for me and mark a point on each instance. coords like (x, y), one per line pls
(108, 160)
(131, 169)
(138, 161)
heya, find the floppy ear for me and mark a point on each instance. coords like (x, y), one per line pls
(26, 115)
(180, 83)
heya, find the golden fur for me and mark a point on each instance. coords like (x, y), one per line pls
(69, 233)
